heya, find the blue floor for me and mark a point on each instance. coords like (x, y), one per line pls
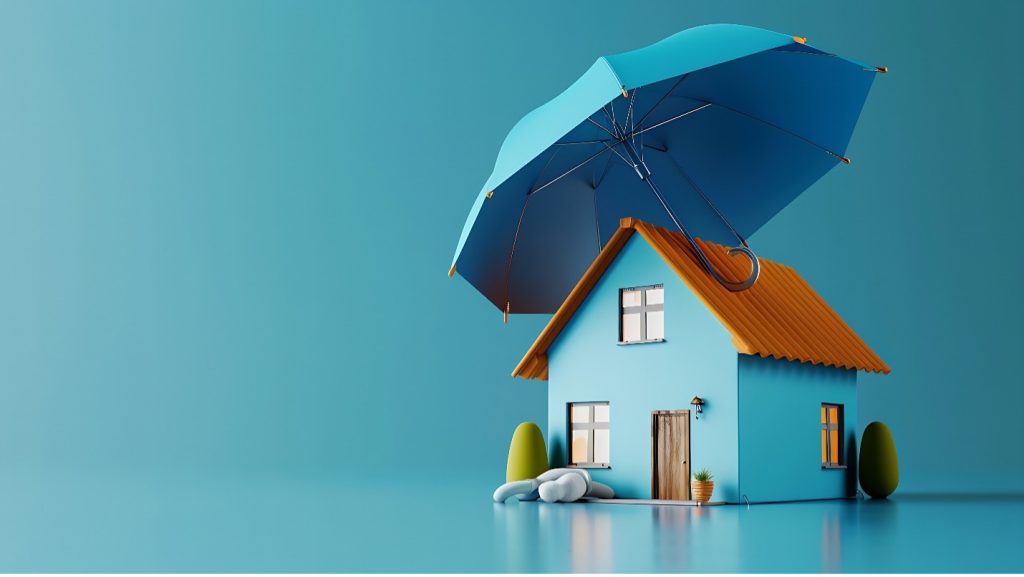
(258, 524)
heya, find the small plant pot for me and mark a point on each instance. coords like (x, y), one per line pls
(702, 490)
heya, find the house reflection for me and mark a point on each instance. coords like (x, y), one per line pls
(590, 538)
(671, 531)
(831, 541)
(518, 539)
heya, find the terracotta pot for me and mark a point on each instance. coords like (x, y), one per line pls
(702, 490)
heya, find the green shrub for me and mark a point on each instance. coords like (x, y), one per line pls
(879, 468)
(702, 475)
(527, 455)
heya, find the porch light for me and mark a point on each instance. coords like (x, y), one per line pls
(697, 403)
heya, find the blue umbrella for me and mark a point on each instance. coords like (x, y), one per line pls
(711, 131)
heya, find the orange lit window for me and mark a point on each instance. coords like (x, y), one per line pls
(831, 435)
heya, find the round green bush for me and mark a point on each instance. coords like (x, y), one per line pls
(879, 468)
(527, 455)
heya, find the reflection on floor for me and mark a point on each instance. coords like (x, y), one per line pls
(906, 533)
(114, 522)
(662, 502)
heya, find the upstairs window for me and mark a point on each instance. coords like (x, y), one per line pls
(831, 436)
(642, 314)
(589, 435)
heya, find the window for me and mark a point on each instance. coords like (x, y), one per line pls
(831, 435)
(588, 434)
(642, 314)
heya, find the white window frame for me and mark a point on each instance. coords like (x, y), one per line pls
(642, 310)
(590, 426)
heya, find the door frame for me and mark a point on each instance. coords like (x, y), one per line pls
(654, 449)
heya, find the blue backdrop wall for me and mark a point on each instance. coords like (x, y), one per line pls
(225, 228)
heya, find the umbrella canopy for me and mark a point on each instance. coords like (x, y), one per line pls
(711, 131)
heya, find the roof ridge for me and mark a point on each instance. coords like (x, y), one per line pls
(781, 316)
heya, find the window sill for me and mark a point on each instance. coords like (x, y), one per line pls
(590, 466)
(831, 467)
(647, 342)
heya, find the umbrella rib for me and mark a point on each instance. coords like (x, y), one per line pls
(707, 200)
(728, 284)
(619, 154)
(602, 127)
(631, 120)
(673, 119)
(662, 99)
(611, 119)
(582, 142)
(546, 165)
(807, 52)
(515, 238)
(594, 182)
(789, 132)
(511, 253)
(571, 170)
(752, 117)
(629, 110)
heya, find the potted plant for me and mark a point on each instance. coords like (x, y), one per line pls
(703, 485)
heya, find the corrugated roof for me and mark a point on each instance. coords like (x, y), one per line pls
(779, 317)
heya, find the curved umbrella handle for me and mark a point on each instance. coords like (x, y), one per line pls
(755, 269)
(755, 265)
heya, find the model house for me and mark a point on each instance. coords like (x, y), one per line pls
(655, 370)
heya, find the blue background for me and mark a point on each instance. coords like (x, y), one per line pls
(225, 229)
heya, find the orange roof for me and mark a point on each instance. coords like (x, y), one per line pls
(779, 317)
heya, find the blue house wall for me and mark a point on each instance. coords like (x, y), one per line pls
(697, 358)
(780, 429)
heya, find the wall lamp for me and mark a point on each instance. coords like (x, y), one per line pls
(698, 404)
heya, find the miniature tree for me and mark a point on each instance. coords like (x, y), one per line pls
(879, 468)
(527, 454)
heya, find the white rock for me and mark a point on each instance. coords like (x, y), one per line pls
(566, 488)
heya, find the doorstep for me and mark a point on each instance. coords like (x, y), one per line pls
(651, 502)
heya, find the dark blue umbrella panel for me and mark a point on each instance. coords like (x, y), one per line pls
(711, 131)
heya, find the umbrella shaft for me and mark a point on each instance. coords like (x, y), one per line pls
(645, 175)
(638, 163)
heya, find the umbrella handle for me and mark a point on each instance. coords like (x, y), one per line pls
(755, 269)
(755, 265)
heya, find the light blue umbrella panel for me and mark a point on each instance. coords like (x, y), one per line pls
(711, 132)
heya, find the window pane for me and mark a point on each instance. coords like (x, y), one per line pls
(824, 445)
(823, 421)
(580, 414)
(833, 415)
(601, 446)
(601, 413)
(655, 296)
(834, 446)
(631, 327)
(630, 298)
(655, 325)
(579, 447)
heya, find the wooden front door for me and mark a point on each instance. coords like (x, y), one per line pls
(670, 455)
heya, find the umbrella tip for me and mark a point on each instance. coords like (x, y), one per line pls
(508, 306)
(800, 39)
(844, 159)
(451, 271)
(882, 69)
(624, 93)
(489, 193)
